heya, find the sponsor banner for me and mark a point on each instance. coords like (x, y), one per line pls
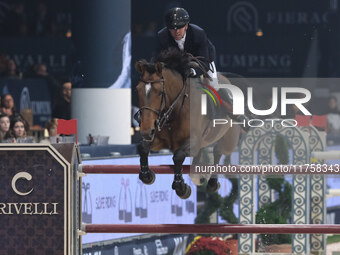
(30, 93)
(247, 17)
(26, 52)
(124, 199)
(262, 57)
(35, 200)
(169, 244)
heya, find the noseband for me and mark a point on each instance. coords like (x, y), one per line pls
(163, 116)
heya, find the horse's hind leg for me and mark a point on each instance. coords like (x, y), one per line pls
(213, 184)
(182, 189)
(145, 174)
(197, 179)
(224, 146)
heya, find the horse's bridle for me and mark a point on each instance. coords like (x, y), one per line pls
(162, 118)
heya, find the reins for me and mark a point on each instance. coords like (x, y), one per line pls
(201, 65)
(163, 118)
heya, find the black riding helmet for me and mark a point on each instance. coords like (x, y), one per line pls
(176, 18)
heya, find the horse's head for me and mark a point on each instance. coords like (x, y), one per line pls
(151, 94)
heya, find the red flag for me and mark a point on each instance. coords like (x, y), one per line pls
(67, 127)
(319, 121)
(302, 120)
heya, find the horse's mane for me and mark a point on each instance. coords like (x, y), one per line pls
(149, 66)
(175, 60)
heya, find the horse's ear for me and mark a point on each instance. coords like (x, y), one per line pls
(159, 66)
(140, 67)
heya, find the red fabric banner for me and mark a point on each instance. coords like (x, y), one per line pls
(302, 120)
(319, 121)
(67, 127)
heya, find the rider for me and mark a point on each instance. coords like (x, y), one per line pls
(192, 39)
(188, 37)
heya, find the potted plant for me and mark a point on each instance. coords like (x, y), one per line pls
(278, 211)
(211, 245)
(213, 202)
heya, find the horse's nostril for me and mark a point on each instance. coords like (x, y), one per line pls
(152, 132)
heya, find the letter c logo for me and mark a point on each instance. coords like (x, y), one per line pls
(21, 175)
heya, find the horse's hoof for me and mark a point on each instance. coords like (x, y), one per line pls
(186, 193)
(214, 188)
(147, 177)
(197, 179)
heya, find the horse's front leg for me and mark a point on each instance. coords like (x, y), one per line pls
(145, 174)
(182, 189)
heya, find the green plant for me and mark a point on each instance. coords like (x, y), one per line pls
(279, 211)
(213, 202)
(227, 206)
(333, 239)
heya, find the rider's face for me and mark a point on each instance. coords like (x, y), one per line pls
(178, 34)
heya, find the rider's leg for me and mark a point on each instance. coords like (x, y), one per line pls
(227, 99)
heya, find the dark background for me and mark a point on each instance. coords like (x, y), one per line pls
(300, 38)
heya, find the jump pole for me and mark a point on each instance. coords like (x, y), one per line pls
(211, 228)
(168, 169)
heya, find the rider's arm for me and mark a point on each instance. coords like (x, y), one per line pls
(201, 47)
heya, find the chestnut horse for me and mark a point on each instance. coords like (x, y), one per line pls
(164, 99)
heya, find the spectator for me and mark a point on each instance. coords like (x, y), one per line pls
(292, 110)
(7, 105)
(23, 30)
(51, 127)
(62, 109)
(137, 29)
(12, 71)
(4, 127)
(37, 71)
(332, 105)
(40, 71)
(3, 64)
(19, 129)
(151, 29)
(42, 20)
(333, 116)
(15, 19)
